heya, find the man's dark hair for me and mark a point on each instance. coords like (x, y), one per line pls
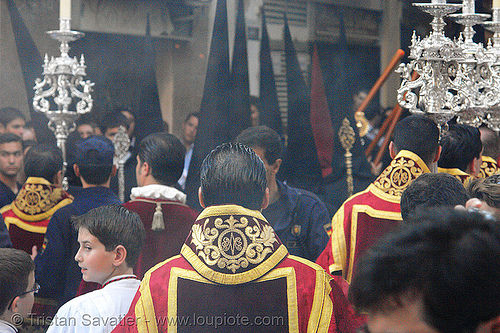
(10, 137)
(432, 190)
(461, 144)
(43, 161)
(9, 114)
(115, 225)
(15, 268)
(113, 120)
(491, 142)
(233, 174)
(165, 155)
(90, 162)
(192, 114)
(486, 189)
(262, 137)
(418, 134)
(450, 261)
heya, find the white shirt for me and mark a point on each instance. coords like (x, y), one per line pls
(187, 161)
(6, 327)
(97, 311)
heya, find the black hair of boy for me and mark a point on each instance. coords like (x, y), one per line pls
(418, 134)
(450, 262)
(15, 268)
(10, 137)
(114, 120)
(115, 225)
(7, 115)
(165, 155)
(461, 144)
(233, 174)
(262, 137)
(432, 190)
(43, 161)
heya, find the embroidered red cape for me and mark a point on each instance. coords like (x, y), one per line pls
(234, 272)
(489, 167)
(368, 215)
(29, 214)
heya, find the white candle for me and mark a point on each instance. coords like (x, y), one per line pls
(439, 2)
(496, 3)
(469, 7)
(65, 9)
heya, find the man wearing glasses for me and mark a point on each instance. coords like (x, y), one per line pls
(17, 288)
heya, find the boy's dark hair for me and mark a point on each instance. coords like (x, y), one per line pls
(10, 137)
(432, 190)
(113, 120)
(114, 225)
(165, 155)
(262, 137)
(418, 134)
(450, 261)
(486, 189)
(233, 174)
(43, 161)
(9, 114)
(15, 268)
(461, 144)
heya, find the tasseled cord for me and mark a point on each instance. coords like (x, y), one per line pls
(158, 223)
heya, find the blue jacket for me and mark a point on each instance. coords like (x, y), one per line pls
(57, 272)
(300, 220)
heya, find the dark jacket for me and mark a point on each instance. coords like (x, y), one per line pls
(300, 219)
(57, 272)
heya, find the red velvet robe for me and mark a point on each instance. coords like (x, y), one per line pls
(234, 275)
(29, 214)
(368, 215)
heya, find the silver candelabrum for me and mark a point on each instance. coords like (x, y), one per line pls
(63, 88)
(457, 78)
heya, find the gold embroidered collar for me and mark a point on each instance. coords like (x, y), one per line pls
(488, 167)
(38, 200)
(403, 170)
(230, 244)
(463, 177)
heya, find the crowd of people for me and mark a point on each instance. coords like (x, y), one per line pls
(417, 251)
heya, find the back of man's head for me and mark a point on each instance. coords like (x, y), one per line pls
(233, 174)
(94, 158)
(15, 268)
(43, 161)
(418, 134)
(486, 189)
(449, 263)
(115, 225)
(262, 137)
(491, 142)
(9, 114)
(460, 145)
(432, 190)
(165, 155)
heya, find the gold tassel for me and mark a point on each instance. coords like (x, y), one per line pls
(158, 223)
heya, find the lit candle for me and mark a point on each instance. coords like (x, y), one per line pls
(496, 3)
(469, 6)
(65, 9)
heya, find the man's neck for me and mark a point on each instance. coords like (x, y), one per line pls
(10, 182)
(274, 193)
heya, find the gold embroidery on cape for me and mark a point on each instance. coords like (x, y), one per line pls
(487, 168)
(34, 198)
(233, 244)
(398, 175)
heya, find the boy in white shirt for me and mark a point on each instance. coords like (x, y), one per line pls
(111, 239)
